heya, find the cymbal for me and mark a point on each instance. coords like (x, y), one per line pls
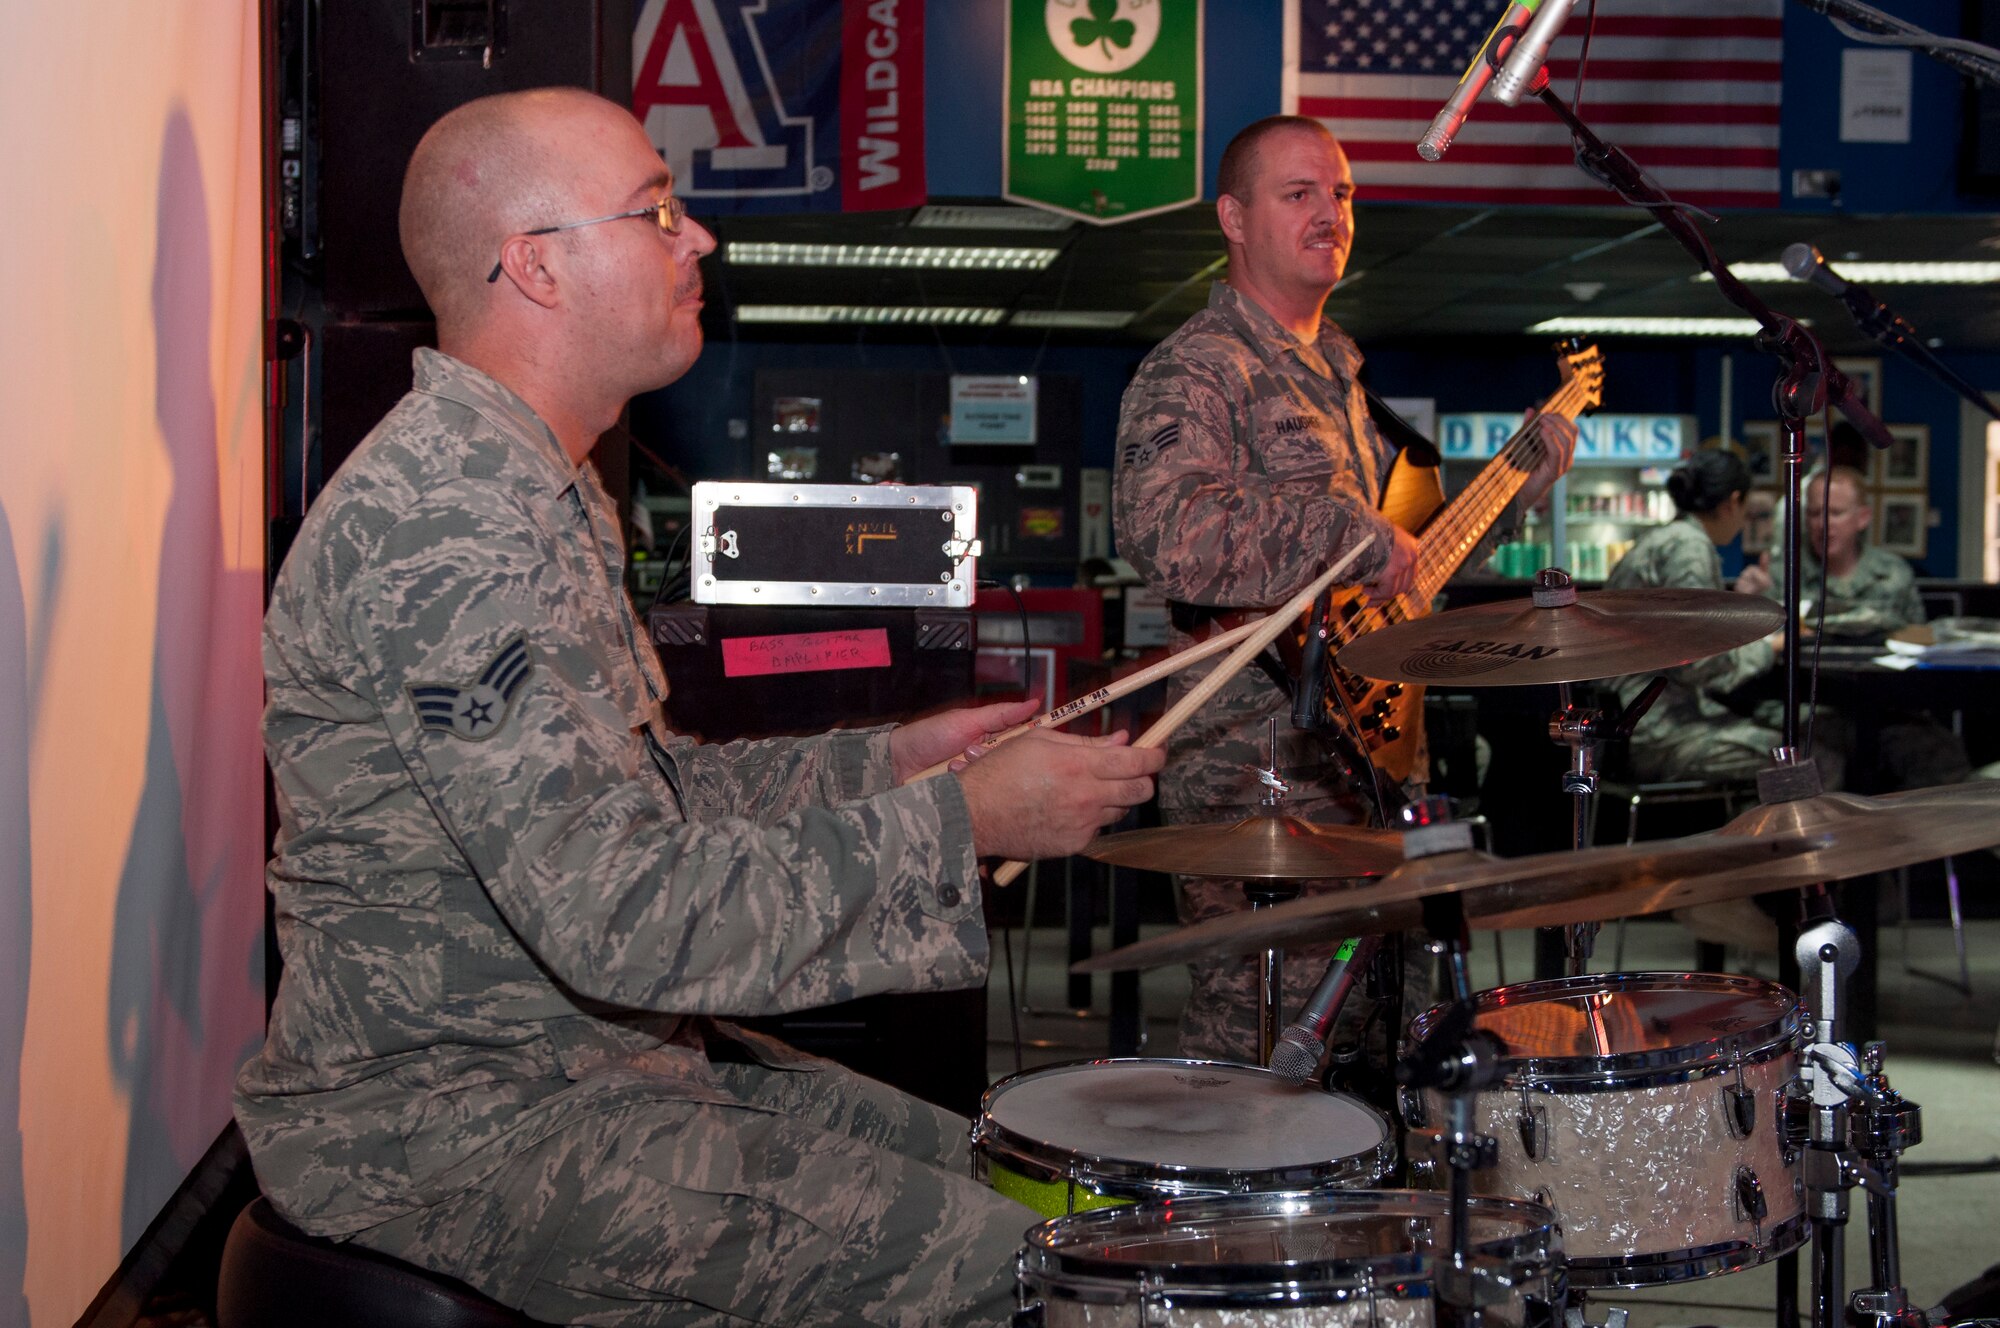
(1491, 888)
(1259, 847)
(1604, 634)
(1860, 836)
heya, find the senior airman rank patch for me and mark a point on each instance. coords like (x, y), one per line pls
(475, 712)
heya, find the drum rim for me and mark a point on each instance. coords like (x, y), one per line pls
(1645, 1069)
(1139, 1178)
(1532, 1252)
(1597, 1272)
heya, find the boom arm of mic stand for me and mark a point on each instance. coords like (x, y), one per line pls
(1889, 330)
(1808, 379)
(1985, 68)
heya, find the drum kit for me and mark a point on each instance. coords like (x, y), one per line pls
(1561, 1138)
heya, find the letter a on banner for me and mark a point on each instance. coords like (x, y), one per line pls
(1104, 105)
(741, 100)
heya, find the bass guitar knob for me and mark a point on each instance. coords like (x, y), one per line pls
(1393, 689)
(1391, 733)
(1371, 722)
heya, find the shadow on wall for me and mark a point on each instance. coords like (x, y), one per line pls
(16, 929)
(186, 967)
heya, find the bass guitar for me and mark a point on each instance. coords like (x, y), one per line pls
(1367, 722)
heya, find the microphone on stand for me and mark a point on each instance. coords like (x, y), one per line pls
(1881, 323)
(1299, 1048)
(1448, 121)
(1518, 75)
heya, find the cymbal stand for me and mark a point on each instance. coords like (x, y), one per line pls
(1455, 1058)
(1854, 1132)
(1584, 730)
(1265, 894)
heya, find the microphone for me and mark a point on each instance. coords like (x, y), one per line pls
(1884, 325)
(1299, 1048)
(1806, 263)
(1448, 121)
(1525, 61)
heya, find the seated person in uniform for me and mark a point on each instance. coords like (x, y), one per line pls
(1690, 732)
(1869, 592)
(513, 905)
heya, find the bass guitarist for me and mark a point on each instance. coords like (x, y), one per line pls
(1248, 463)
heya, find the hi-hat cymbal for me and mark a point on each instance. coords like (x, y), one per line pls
(1491, 888)
(1603, 634)
(1860, 836)
(1256, 847)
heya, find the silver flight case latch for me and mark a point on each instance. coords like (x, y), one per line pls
(958, 550)
(724, 544)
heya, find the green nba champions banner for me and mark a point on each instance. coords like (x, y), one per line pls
(1104, 106)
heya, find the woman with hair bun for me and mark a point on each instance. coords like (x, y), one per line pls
(1689, 733)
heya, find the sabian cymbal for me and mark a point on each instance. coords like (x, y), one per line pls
(1603, 634)
(1860, 836)
(1256, 847)
(1490, 888)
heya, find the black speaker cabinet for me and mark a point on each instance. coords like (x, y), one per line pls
(389, 68)
(932, 1044)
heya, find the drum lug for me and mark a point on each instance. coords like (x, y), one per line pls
(1751, 1206)
(1154, 1307)
(1423, 1172)
(1533, 1123)
(1739, 1108)
(1411, 1103)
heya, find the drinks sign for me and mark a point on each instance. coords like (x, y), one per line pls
(1601, 440)
(1103, 116)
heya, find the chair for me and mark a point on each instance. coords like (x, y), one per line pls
(1728, 794)
(276, 1276)
(1940, 604)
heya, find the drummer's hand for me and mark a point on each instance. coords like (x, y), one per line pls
(1558, 437)
(1755, 578)
(953, 735)
(1399, 572)
(1046, 794)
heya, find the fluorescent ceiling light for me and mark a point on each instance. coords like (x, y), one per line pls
(1879, 274)
(988, 217)
(985, 258)
(862, 313)
(1105, 319)
(1649, 327)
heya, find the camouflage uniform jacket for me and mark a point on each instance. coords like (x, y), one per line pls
(1247, 465)
(1877, 597)
(1682, 555)
(501, 884)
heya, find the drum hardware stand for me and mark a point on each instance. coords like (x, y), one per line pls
(1855, 1130)
(1265, 894)
(1584, 730)
(1455, 1058)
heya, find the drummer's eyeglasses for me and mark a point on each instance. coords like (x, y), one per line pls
(667, 214)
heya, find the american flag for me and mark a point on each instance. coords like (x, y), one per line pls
(1689, 88)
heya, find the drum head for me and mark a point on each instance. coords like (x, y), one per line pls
(1599, 1027)
(1181, 1115)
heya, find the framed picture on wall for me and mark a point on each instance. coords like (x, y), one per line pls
(1867, 377)
(1906, 463)
(1763, 450)
(1901, 523)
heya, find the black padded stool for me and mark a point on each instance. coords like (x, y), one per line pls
(276, 1276)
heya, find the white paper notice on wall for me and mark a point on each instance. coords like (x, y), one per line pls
(1874, 96)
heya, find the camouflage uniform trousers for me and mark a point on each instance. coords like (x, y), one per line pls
(809, 1197)
(1732, 749)
(1221, 1016)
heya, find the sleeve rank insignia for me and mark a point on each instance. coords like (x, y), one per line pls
(474, 713)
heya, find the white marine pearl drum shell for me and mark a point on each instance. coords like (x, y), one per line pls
(1328, 1259)
(1637, 1090)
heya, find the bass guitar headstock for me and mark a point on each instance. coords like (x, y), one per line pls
(1582, 369)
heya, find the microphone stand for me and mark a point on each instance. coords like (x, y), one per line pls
(1959, 55)
(1807, 381)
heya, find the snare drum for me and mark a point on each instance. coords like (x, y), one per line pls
(1092, 1133)
(1644, 1109)
(1334, 1259)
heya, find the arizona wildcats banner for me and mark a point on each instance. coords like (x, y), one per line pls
(784, 105)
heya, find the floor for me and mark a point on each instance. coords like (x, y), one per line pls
(1941, 1055)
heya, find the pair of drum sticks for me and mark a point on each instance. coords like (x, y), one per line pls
(1247, 640)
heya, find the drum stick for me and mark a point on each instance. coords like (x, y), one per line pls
(1264, 632)
(1111, 691)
